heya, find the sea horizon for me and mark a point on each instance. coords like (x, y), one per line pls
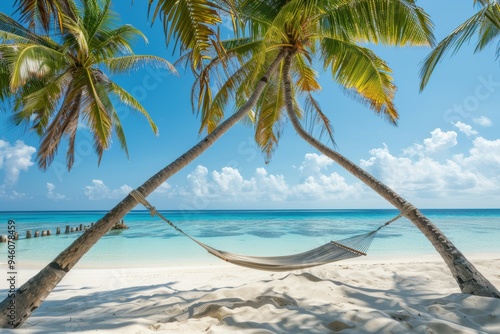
(150, 242)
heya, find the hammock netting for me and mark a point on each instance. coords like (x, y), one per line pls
(330, 252)
(333, 251)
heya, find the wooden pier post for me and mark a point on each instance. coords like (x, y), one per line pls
(44, 233)
(72, 230)
(67, 229)
(3, 238)
(28, 234)
(58, 230)
(16, 236)
(37, 234)
(49, 232)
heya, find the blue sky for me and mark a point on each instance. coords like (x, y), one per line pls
(445, 152)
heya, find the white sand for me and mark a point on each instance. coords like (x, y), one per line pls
(406, 296)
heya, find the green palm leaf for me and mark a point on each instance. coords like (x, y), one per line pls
(190, 23)
(485, 23)
(41, 12)
(392, 22)
(56, 85)
(135, 62)
(362, 73)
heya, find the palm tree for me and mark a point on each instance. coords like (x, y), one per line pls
(55, 85)
(39, 14)
(31, 294)
(255, 82)
(485, 24)
(306, 30)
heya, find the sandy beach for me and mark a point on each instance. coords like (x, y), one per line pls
(406, 295)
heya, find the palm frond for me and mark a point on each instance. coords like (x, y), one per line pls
(65, 121)
(94, 110)
(42, 12)
(317, 117)
(269, 120)
(126, 98)
(135, 62)
(110, 43)
(213, 112)
(486, 21)
(120, 134)
(307, 75)
(12, 31)
(362, 73)
(30, 60)
(39, 100)
(190, 23)
(393, 22)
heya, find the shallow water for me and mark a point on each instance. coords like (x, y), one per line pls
(151, 242)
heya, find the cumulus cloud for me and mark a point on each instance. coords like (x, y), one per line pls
(52, 194)
(163, 188)
(314, 163)
(9, 194)
(483, 158)
(465, 128)
(14, 159)
(440, 140)
(98, 190)
(483, 121)
(229, 185)
(417, 173)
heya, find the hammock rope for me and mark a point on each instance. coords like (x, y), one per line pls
(333, 251)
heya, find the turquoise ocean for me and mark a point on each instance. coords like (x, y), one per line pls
(149, 242)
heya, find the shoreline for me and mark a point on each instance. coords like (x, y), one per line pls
(416, 295)
(211, 261)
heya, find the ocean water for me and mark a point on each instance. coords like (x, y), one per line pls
(151, 242)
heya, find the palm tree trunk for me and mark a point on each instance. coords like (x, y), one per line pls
(31, 294)
(468, 278)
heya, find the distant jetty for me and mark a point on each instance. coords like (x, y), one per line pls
(45, 233)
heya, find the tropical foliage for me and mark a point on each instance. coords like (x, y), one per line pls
(40, 14)
(58, 82)
(333, 33)
(193, 25)
(485, 24)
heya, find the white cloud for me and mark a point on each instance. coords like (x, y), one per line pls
(314, 163)
(14, 159)
(418, 174)
(483, 121)
(440, 140)
(228, 185)
(98, 190)
(465, 128)
(7, 194)
(51, 193)
(483, 158)
(326, 187)
(198, 181)
(163, 188)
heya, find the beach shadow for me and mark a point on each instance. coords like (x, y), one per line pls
(300, 302)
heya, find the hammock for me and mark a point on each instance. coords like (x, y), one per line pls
(330, 252)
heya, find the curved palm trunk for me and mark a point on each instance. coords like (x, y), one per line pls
(468, 278)
(31, 294)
